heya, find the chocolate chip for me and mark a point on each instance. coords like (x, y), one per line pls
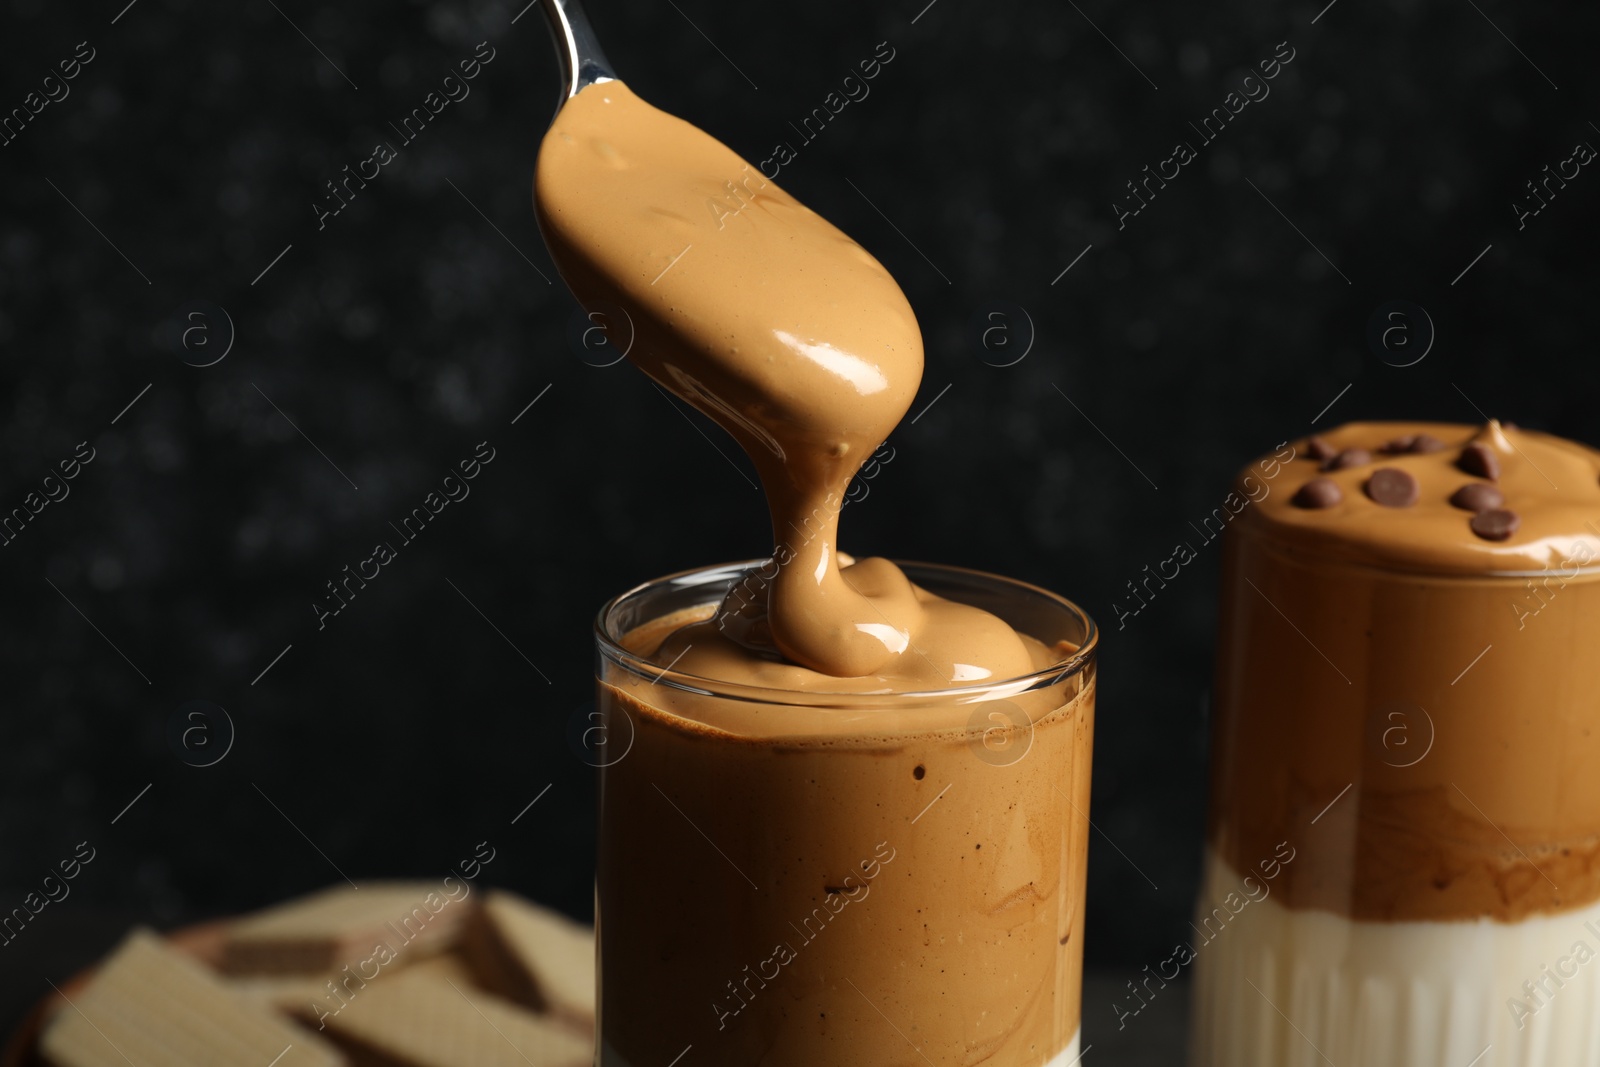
(1393, 487)
(1426, 442)
(1478, 458)
(1477, 496)
(1350, 457)
(1495, 525)
(1318, 448)
(1317, 493)
(1400, 445)
(1414, 444)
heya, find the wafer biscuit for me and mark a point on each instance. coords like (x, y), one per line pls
(417, 1020)
(291, 993)
(150, 1004)
(534, 956)
(320, 933)
(283, 993)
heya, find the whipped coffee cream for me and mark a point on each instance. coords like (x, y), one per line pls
(799, 344)
(1430, 481)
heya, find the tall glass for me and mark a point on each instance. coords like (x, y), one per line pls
(805, 879)
(1403, 862)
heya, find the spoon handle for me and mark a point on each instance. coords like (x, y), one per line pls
(577, 48)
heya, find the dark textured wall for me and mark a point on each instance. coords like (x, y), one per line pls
(374, 349)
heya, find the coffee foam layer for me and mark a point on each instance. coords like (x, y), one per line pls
(1551, 484)
(954, 861)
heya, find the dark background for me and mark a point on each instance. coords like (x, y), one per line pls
(413, 327)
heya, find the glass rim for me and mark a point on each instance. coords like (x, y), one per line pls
(609, 646)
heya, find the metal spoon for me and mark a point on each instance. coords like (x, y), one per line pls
(577, 50)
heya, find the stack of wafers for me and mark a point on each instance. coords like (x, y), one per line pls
(388, 975)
